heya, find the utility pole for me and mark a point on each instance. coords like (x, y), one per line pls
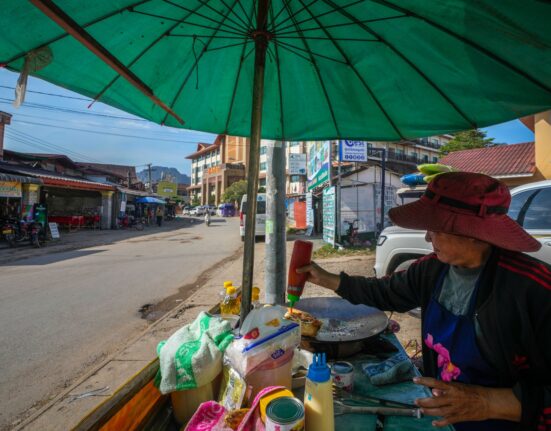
(150, 186)
(275, 275)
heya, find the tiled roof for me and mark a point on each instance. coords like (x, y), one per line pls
(499, 161)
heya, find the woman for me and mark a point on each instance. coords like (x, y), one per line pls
(486, 306)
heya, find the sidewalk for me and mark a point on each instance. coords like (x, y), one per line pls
(61, 413)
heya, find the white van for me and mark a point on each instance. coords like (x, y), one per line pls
(260, 229)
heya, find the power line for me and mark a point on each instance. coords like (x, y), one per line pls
(106, 133)
(49, 94)
(40, 143)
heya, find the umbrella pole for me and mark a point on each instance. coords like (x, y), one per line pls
(261, 38)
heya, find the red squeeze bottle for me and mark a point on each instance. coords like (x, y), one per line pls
(302, 255)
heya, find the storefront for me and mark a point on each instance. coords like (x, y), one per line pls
(16, 193)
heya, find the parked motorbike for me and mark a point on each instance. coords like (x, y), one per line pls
(28, 231)
(8, 232)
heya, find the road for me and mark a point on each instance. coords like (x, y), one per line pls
(63, 313)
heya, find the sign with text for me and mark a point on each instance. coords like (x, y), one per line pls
(319, 154)
(10, 189)
(54, 230)
(329, 215)
(353, 151)
(297, 164)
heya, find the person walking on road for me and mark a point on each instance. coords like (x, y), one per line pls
(159, 214)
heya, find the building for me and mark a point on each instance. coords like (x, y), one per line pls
(216, 166)
(514, 164)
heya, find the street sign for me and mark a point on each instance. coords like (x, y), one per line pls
(53, 230)
(353, 151)
(309, 215)
(297, 164)
(329, 215)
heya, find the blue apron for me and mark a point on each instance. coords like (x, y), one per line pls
(457, 334)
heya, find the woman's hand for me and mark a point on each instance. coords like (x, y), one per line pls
(320, 276)
(458, 402)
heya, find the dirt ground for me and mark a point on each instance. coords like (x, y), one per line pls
(410, 327)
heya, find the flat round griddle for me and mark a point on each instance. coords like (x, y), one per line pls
(343, 321)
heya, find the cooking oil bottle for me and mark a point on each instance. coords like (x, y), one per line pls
(230, 304)
(255, 298)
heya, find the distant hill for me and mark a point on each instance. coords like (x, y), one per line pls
(162, 172)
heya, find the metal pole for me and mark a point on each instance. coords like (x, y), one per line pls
(261, 45)
(150, 186)
(383, 157)
(275, 274)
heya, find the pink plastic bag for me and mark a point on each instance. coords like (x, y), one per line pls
(210, 416)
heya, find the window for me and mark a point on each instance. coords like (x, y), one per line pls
(518, 203)
(538, 214)
(295, 178)
(435, 160)
(434, 141)
(263, 150)
(262, 182)
(263, 166)
(425, 158)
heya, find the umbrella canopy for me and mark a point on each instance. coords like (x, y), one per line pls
(150, 200)
(362, 69)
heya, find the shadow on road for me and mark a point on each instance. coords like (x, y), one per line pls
(53, 258)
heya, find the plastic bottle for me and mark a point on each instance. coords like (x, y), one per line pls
(318, 396)
(302, 255)
(256, 298)
(230, 303)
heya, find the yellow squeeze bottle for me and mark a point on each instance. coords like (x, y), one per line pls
(318, 396)
(230, 302)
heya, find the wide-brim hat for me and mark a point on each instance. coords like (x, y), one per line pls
(466, 204)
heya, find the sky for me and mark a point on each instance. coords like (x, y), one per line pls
(55, 120)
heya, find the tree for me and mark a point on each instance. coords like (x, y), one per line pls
(235, 192)
(262, 190)
(467, 140)
(195, 201)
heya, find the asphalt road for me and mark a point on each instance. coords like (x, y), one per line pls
(63, 313)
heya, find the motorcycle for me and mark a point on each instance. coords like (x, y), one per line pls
(28, 231)
(207, 218)
(8, 233)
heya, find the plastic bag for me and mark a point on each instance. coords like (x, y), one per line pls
(265, 334)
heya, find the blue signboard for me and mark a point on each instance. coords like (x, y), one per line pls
(353, 151)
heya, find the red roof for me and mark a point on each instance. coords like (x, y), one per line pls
(499, 161)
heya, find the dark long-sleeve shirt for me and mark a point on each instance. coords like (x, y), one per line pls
(513, 309)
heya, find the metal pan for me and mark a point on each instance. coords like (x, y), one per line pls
(343, 321)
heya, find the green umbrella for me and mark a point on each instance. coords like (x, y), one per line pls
(314, 69)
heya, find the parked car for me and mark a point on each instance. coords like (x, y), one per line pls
(226, 210)
(260, 228)
(211, 209)
(530, 206)
(187, 210)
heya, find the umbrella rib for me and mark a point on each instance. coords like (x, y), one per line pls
(410, 63)
(290, 17)
(344, 39)
(228, 46)
(342, 24)
(236, 29)
(362, 80)
(63, 36)
(277, 27)
(475, 45)
(308, 51)
(312, 59)
(195, 64)
(220, 13)
(281, 118)
(250, 25)
(239, 33)
(309, 60)
(164, 34)
(58, 16)
(245, 24)
(234, 92)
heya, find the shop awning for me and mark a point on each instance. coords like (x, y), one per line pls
(19, 179)
(133, 192)
(150, 200)
(56, 180)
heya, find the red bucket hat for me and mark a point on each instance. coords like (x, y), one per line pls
(467, 204)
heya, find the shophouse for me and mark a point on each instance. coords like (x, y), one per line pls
(70, 198)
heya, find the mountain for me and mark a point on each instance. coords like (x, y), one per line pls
(162, 172)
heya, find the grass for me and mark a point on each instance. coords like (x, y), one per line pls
(328, 251)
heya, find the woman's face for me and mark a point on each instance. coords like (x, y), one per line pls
(458, 250)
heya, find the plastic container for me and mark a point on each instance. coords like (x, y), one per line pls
(302, 255)
(255, 298)
(318, 396)
(185, 403)
(271, 372)
(230, 304)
